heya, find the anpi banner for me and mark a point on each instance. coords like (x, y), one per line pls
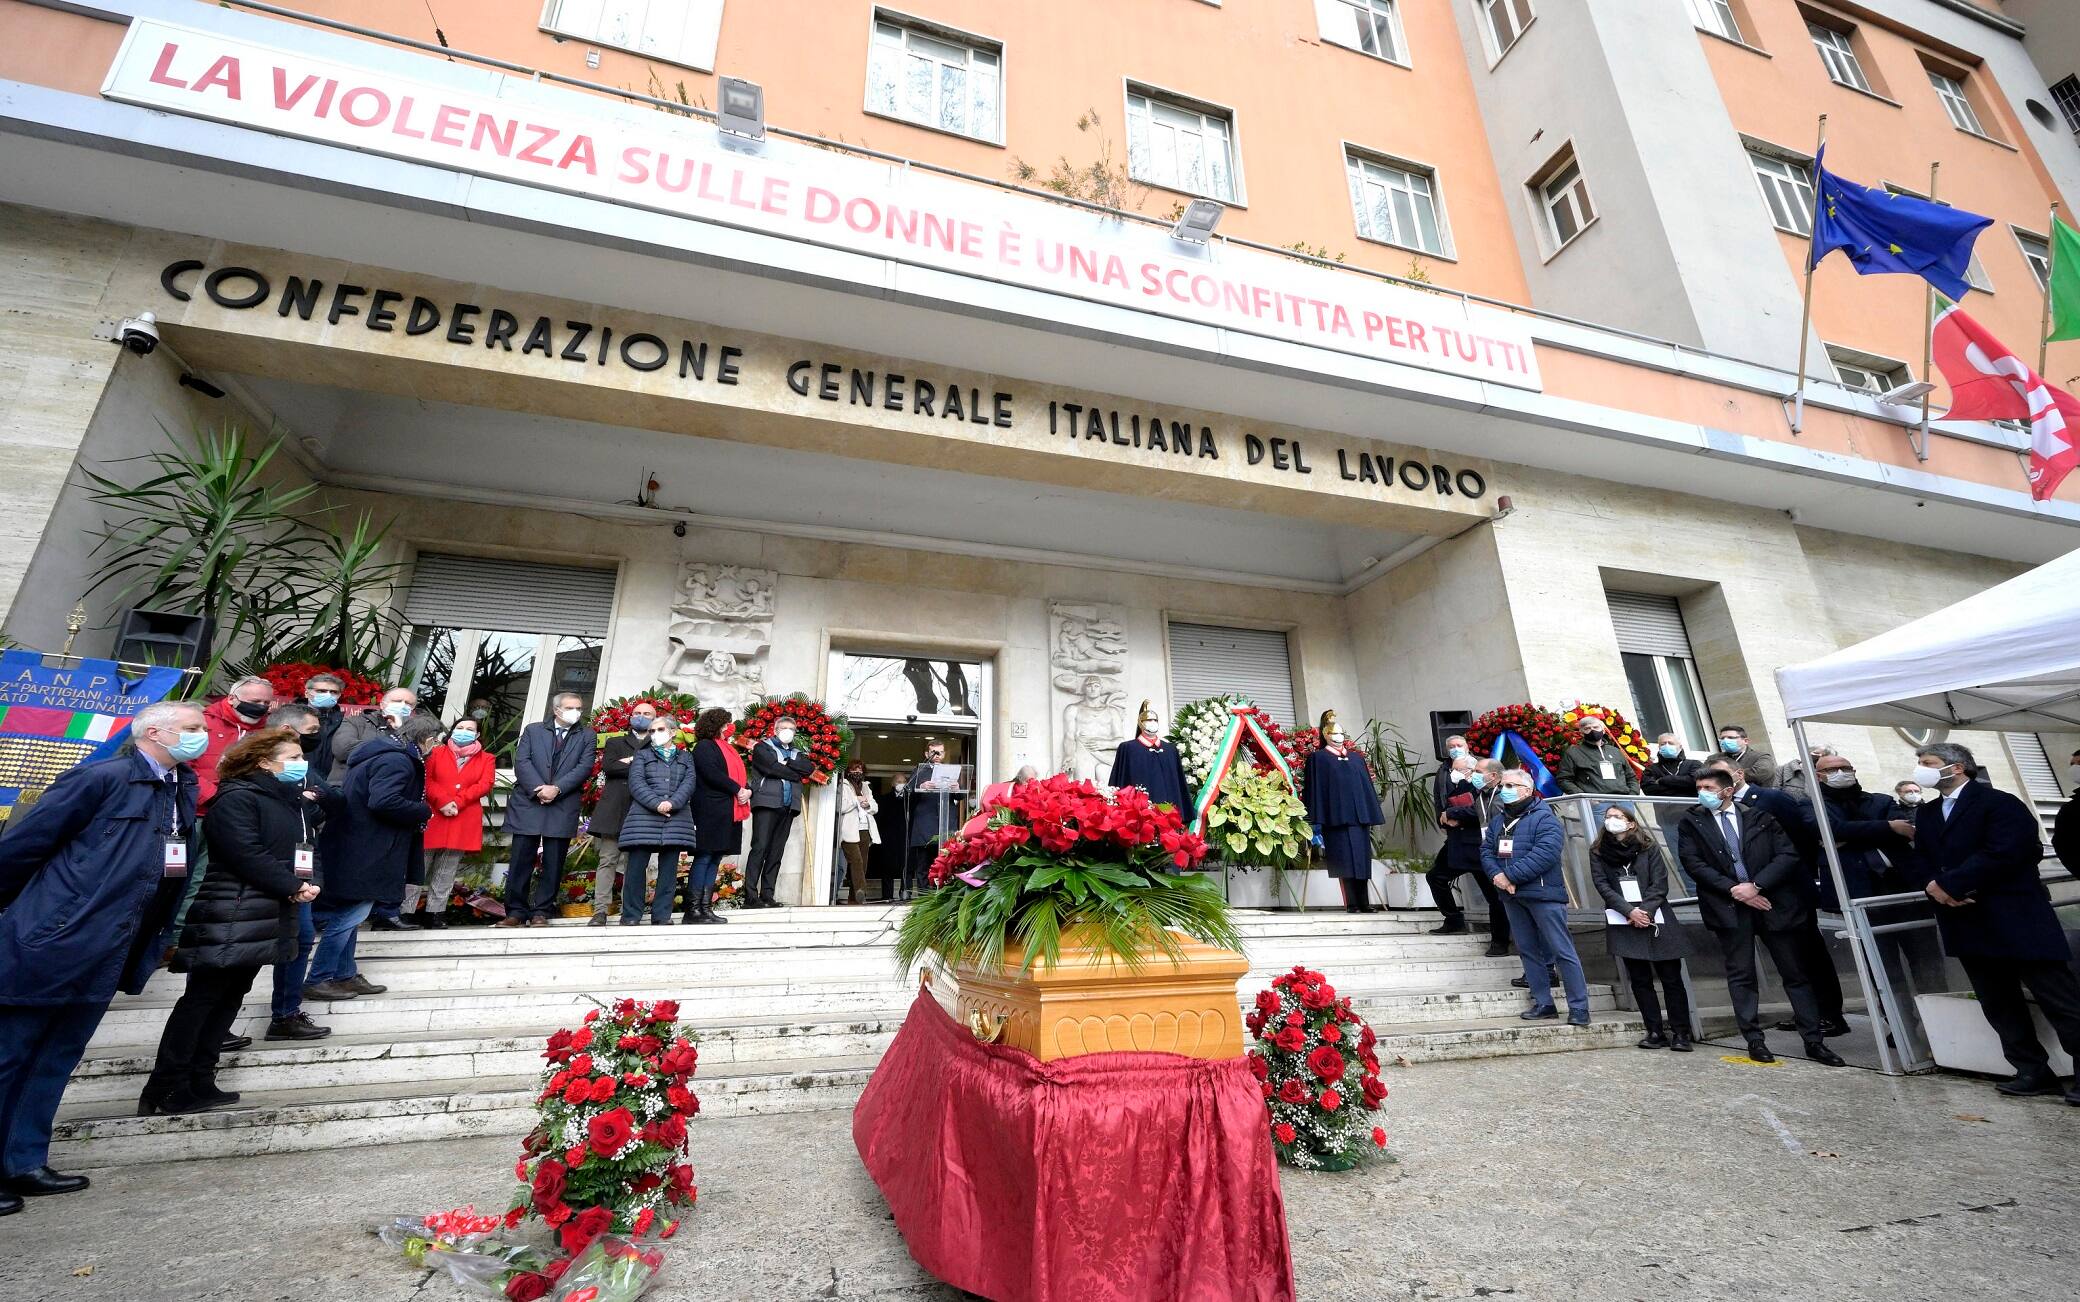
(672, 164)
(56, 715)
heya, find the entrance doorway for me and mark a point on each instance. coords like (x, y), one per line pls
(897, 705)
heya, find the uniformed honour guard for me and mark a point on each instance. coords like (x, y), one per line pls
(1342, 805)
(1145, 760)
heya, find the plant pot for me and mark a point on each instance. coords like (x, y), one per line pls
(1262, 888)
(1096, 1004)
(1408, 891)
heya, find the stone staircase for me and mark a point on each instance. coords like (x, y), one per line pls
(793, 1008)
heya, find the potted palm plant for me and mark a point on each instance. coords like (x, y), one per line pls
(1063, 913)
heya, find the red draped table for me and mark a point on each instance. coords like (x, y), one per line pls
(1111, 1177)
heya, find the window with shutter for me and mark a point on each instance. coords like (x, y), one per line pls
(513, 596)
(1667, 696)
(1208, 661)
(2033, 766)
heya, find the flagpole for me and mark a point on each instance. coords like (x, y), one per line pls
(1805, 320)
(1928, 332)
(2050, 279)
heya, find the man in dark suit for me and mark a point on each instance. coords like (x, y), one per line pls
(933, 814)
(1977, 848)
(1746, 870)
(1796, 818)
(2065, 831)
(777, 771)
(552, 762)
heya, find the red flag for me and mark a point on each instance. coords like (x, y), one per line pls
(1989, 382)
(36, 721)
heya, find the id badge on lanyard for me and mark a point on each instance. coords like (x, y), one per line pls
(304, 859)
(1606, 769)
(1502, 846)
(175, 862)
(1628, 886)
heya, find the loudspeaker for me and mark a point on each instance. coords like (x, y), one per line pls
(163, 637)
(1447, 723)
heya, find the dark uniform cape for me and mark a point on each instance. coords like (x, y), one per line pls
(1157, 769)
(1341, 803)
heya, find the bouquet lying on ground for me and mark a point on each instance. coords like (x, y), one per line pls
(1320, 1076)
(599, 1174)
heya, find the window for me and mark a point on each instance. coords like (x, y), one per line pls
(676, 31)
(2066, 94)
(1951, 91)
(1251, 662)
(1716, 17)
(2036, 251)
(935, 81)
(1660, 669)
(1180, 147)
(1507, 20)
(1866, 372)
(1368, 26)
(2033, 766)
(908, 688)
(499, 639)
(1564, 197)
(1395, 203)
(1839, 56)
(1787, 187)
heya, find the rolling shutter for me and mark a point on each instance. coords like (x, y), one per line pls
(1207, 661)
(1648, 624)
(510, 596)
(2033, 766)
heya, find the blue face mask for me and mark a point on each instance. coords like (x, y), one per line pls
(323, 700)
(398, 710)
(1511, 795)
(294, 771)
(1670, 752)
(1478, 779)
(1456, 752)
(190, 746)
(1709, 799)
(1731, 745)
(462, 737)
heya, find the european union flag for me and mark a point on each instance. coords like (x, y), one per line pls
(1882, 231)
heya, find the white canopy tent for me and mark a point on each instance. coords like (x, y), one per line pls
(2004, 660)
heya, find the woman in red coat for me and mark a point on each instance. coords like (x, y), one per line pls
(459, 775)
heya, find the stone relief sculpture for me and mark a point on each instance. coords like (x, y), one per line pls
(722, 626)
(1087, 653)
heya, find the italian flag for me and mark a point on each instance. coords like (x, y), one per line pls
(72, 725)
(1989, 382)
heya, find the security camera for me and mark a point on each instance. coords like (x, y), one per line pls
(679, 529)
(140, 333)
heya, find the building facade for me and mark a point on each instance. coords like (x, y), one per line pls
(1476, 395)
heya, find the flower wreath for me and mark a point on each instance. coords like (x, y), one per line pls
(611, 720)
(1546, 732)
(827, 736)
(290, 678)
(1199, 726)
(1638, 751)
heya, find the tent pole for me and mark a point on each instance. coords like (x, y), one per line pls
(1859, 926)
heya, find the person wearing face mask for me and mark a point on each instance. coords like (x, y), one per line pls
(659, 825)
(286, 1018)
(721, 807)
(931, 818)
(90, 875)
(1596, 765)
(1757, 764)
(370, 850)
(1643, 934)
(1747, 870)
(857, 829)
(1343, 807)
(321, 692)
(1466, 812)
(1521, 853)
(2065, 830)
(1442, 787)
(777, 769)
(1976, 848)
(1870, 835)
(552, 762)
(1907, 796)
(1672, 773)
(889, 857)
(262, 868)
(459, 774)
(616, 758)
(1145, 760)
(395, 706)
(230, 719)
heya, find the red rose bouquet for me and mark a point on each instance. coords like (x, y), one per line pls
(291, 678)
(1544, 731)
(1056, 854)
(827, 737)
(1315, 1061)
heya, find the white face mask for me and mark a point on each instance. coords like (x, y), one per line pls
(1458, 777)
(1839, 777)
(1151, 726)
(1910, 797)
(568, 717)
(785, 736)
(1616, 826)
(1334, 736)
(1927, 776)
